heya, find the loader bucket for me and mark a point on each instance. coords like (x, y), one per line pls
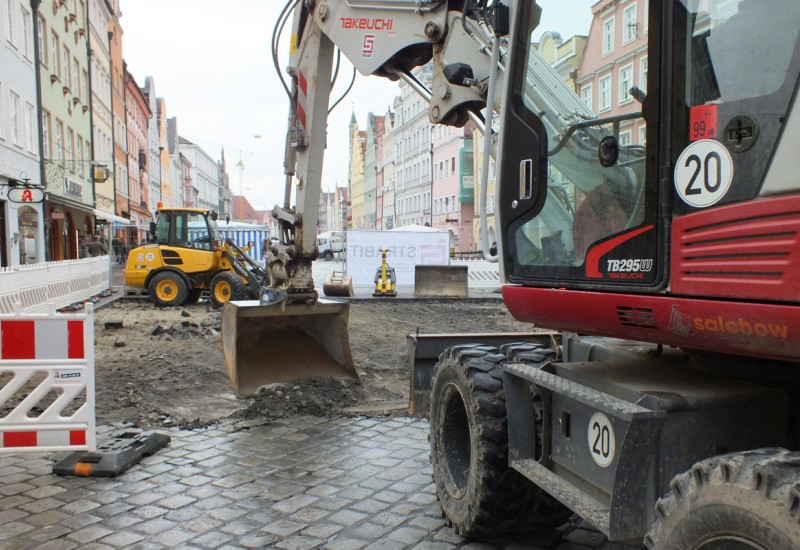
(441, 281)
(264, 344)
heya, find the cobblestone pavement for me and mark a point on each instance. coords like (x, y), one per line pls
(298, 483)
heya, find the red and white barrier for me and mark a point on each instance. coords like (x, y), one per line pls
(47, 382)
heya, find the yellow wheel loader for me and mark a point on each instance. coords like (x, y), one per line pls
(188, 257)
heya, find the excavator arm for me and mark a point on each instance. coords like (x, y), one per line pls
(380, 37)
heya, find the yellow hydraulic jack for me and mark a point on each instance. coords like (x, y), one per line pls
(385, 279)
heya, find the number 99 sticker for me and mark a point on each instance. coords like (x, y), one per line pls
(704, 173)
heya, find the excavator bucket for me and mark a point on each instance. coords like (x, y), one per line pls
(338, 284)
(264, 344)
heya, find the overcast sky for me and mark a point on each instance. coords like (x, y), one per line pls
(211, 63)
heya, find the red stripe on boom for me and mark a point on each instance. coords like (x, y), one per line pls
(303, 84)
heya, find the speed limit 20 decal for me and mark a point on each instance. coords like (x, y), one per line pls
(703, 173)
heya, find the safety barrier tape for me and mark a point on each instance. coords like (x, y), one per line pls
(47, 382)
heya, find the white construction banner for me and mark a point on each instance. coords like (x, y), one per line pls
(47, 382)
(405, 251)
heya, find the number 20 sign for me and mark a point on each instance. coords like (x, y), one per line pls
(703, 173)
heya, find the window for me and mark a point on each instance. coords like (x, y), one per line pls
(27, 39)
(58, 140)
(76, 77)
(586, 96)
(46, 133)
(605, 94)
(631, 25)
(29, 118)
(625, 138)
(70, 154)
(67, 79)
(643, 75)
(643, 135)
(625, 84)
(11, 21)
(15, 115)
(54, 57)
(608, 35)
(82, 159)
(42, 40)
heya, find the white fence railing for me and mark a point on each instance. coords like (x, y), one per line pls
(38, 287)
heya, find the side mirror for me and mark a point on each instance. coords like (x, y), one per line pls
(153, 231)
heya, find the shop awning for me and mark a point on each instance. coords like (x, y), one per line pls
(111, 217)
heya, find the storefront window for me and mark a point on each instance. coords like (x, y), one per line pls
(28, 231)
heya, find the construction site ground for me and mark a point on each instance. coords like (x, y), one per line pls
(311, 464)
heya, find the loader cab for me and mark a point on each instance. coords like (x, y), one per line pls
(682, 116)
(187, 228)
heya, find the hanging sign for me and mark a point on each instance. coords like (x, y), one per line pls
(25, 195)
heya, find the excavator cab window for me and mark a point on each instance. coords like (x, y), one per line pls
(578, 198)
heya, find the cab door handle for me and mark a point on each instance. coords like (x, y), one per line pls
(525, 179)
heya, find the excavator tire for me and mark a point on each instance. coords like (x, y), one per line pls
(225, 286)
(479, 494)
(167, 289)
(740, 501)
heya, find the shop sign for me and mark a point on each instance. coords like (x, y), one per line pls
(57, 215)
(73, 188)
(25, 195)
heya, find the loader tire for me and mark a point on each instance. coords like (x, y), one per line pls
(167, 289)
(739, 501)
(479, 494)
(193, 296)
(226, 286)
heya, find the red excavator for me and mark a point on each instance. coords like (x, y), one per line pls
(660, 245)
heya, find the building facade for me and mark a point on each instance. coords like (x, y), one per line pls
(102, 120)
(413, 152)
(119, 133)
(453, 184)
(65, 131)
(137, 115)
(204, 174)
(21, 209)
(615, 61)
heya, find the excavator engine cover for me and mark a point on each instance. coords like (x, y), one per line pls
(265, 344)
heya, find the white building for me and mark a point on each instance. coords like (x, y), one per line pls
(204, 174)
(21, 221)
(412, 200)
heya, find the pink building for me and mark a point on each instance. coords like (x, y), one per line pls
(453, 185)
(615, 60)
(137, 114)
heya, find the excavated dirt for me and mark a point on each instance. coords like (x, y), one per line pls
(164, 367)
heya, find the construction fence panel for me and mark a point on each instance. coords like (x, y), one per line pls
(47, 382)
(37, 287)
